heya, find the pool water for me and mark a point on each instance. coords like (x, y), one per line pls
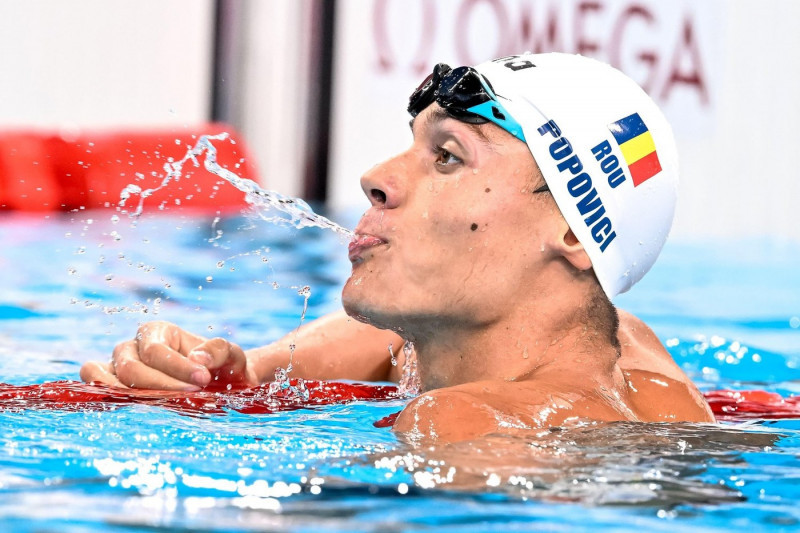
(75, 284)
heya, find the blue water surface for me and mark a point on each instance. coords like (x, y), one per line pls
(75, 284)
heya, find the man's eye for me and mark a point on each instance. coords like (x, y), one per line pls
(444, 157)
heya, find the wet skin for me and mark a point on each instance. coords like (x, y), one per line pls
(460, 256)
(495, 313)
(653, 389)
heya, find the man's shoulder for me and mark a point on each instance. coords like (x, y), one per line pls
(451, 414)
(641, 349)
(659, 390)
(474, 409)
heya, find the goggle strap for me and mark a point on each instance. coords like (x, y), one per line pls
(494, 111)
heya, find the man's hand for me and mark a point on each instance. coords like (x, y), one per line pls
(165, 357)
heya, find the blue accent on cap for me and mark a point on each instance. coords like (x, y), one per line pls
(486, 111)
(627, 128)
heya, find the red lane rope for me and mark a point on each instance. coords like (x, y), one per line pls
(738, 406)
(51, 170)
(76, 396)
(727, 405)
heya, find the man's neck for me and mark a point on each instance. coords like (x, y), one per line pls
(523, 345)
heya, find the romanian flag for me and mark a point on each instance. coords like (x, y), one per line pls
(637, 147)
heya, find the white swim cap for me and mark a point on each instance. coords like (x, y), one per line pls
(606, 151)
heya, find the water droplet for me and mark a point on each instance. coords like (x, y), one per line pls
(408, 348)
(220, 264)
(72, 271)
(114, 219)
(209, 279)
(409, 380)
(109, 277)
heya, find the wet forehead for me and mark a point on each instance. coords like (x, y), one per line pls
(434, 116)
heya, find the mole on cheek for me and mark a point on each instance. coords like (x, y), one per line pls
(473, 227)
(488, 189)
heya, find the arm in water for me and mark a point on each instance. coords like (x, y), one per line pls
(165, 357)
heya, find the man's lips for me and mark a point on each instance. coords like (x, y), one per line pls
(360, 243)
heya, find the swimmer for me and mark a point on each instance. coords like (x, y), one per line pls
(537, 188)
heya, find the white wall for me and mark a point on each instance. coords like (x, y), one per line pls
(114, 63)
(148, 63)
(733, 104)
(104, 63)
(272, 100)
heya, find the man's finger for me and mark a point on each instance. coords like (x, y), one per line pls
(225, 359)
(132, 372)
(168, 361)
(216, 353)
(95, 371)
(168, 334)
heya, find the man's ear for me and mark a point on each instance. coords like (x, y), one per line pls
(573, 251)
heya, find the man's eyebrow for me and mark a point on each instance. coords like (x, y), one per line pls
(439, 115)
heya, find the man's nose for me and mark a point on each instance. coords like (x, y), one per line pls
(384, 184)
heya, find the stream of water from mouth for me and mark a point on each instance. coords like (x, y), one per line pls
(300, 214)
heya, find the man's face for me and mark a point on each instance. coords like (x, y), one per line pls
(455, 232)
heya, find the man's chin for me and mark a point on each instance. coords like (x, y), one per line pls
(353, 302)
(357, 306)
(356, 313)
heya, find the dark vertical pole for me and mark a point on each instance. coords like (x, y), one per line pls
(224, 68)
(320, 105)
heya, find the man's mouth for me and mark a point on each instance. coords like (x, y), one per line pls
(362, 242)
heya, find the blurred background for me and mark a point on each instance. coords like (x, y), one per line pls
(318, 88)
(97, 95)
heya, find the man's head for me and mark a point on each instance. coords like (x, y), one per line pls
(460, 227)
(604, 148)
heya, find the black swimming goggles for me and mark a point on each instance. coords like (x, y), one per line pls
(466, 95)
